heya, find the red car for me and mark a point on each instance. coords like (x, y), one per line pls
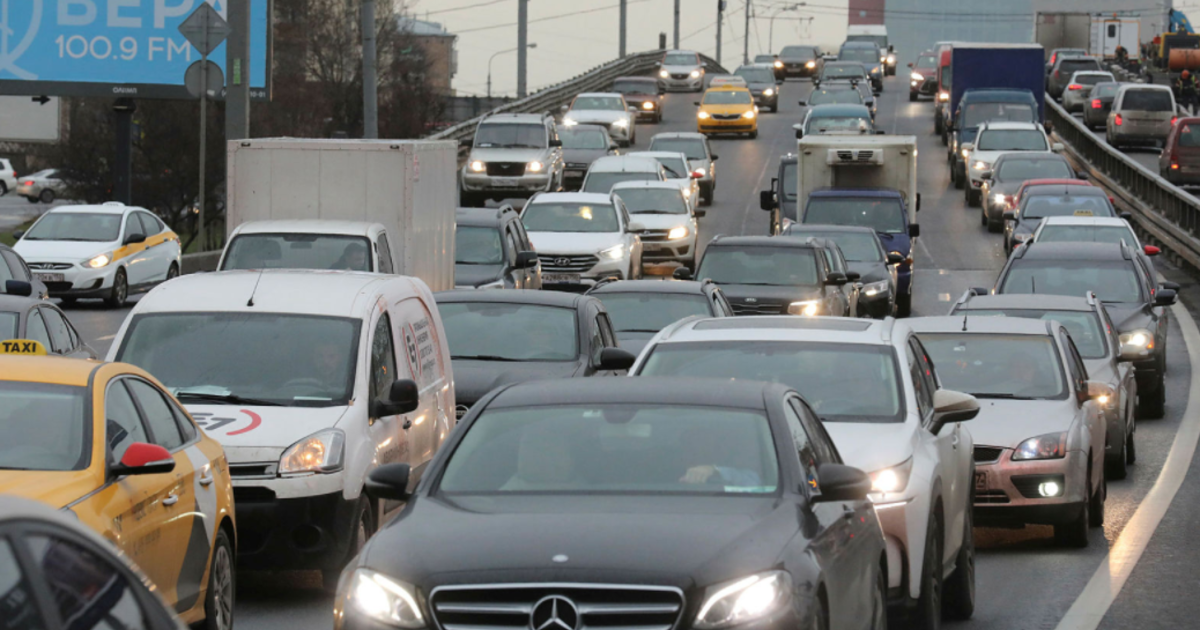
(1016, 198)
(1179, 162)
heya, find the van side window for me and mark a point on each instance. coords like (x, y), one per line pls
(385, 254)
(383, 358)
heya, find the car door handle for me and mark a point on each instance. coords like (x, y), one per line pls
(206, 481)
(954, 442)
(171, 499)
(407, 423)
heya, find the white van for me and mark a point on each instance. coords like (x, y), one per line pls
(309, 244)
(309, 380)
(612, 169)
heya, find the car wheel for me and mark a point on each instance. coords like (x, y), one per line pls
(47, 196)
(1116, 466)
(937, 125)
(1075, 532)
(754, 134)
(1152, 405)
(879, 608)
(222, 586)
(1131, 449)
(31, 199)
(1096, 509)
(3, 189)
(973, 197)
(954, 177)
(960, 588)
(983, 212)
(364, 527)
(995, 227)
(173, 272)
(119, 293)
(903, 305)
(68, 301)
(928, 612)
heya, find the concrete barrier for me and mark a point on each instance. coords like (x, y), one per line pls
(204, 261)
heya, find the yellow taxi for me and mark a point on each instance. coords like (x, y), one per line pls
(727, 109)
(105, 443)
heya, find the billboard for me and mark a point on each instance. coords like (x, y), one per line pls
(114, 48)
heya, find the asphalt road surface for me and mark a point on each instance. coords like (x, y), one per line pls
(1023, 580)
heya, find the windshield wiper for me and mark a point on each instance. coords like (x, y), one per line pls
(487, 357)
(229, 399)
(1005, 396)
(639, 330)
(656, 212)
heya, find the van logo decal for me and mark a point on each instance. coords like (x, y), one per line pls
(410, 344)
(211, 422)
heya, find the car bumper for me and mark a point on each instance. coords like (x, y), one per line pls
(1147, 374)
(876, 306)
(648, 114)
(28, 191)
(1006, 492)
(924, 88)
(521, 185)
(903, 522)
(798, 70)
(681, 250)
(312, 532)
(1183, 175)
(1141, 136)
(688, 84)
(571, 279)
(77, 281)
(741, 125)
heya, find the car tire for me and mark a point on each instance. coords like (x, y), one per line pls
(1152, 405)
(960, 588)
(47, 196)
(974, 197)
(119, 294)
(912, 97)
(995, 227)
(937, 125)
(1075, 532)
(222, 586)
(31, 199)
(983, 220)
(1131, 448)
(706, 196)
(954, 177)
(1117, 465)
(364, 528)
(927, 615)
(172, 272)
(3, 189)
(903, 305)
(1096, 509)
(753, 134)
(879, 612)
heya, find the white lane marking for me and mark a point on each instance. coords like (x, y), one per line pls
(107, 337)
(1101, 591)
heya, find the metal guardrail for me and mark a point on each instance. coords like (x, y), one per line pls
(1164, 213)
(552, 97)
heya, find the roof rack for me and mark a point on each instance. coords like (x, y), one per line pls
(889, 324)
(1091, 298)
(506, 207)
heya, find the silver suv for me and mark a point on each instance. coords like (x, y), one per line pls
(512, 156)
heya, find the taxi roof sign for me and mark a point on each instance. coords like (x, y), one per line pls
(22, 347)
(1084, 213)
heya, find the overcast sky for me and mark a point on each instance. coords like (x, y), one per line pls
(580, 34)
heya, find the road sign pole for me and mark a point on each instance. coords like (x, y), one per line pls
(201, 233)
(237, 72)
(205, 29)
(370, 72)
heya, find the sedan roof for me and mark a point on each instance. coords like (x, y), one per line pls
(986, 325)
(643, 390)
(512, 296)
(1073, 250)
(1031, 301)
(688, 287)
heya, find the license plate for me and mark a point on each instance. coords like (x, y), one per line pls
(49, 277)
(504, 182)
(572, 173)
(981, 481)
(560, 278)
(653, 247)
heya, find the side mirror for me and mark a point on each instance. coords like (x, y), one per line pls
(910, 65)
(1048, 126)
(1174, 286)
(836, 278)
(526, 260)
(894, 259)
(696, 103)
(402, 397)
(914, 230)
(968, 147)
(144, 459)
(1081, 176)
(778, 82)
(1101, 392)
(853, 276)
(632, 108)
(564, 109)
(801, 104)
(682, 273)
(986, 175)
(703, 64)
(699, 212)
(1128, 216)
(17, 234)
(841, 483)
(135, 238)
(658, 64)
(1057, 147)
(713, 157)
(950, 406)
(556, 143)
(1009, 215)
(1164, 297)
(766, 199)
(978, 291)
(1150, 250)
(799, 127)
(918, 202)
(891, 48)
(616, 359)
(18, 288)
(635, 226)
(389, 481)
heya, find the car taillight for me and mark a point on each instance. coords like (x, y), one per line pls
(1117, 120)
(1074, 86)
(1096, 104)
(697, 174)
(29, 182)
(1151, 250)
(1173, 119)
(1174, 165)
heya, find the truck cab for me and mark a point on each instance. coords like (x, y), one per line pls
(780, 199)
(309, 244)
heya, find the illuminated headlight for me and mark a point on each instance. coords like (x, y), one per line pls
(1049, 446)
(1050, 489)
(966, 154)
(810, 65)
(981, 166)
(999, 198)
(695, 74)
(687, 192)
(647, 105)
(1141, 341)
(1106, 401)
(664, 74)
(744, 601)
(872, 289)
(917, 76)
(678, 233)
(749, 115)
(894, 479)
(478, 167)
(620, 122)
(875, 70)
(99, 261)
(943, 96)
(807, 308)
(319, 452)
(779, 64)
(613, 253)
(570, 122)
(702, 115)
(883, 59)
(383, 600)
(534, 167)
(891, 59)
(769, 92)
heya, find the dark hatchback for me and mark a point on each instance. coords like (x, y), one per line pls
(1059, 200)
(923, 80)
(801, 61)
(644, 93)
(492, 250)
(502, 337)
(582, 145)
(865, 256)
(763, 86)
(639, 504)
(640, 308)
(1121, 278)
(1099, 104)
(1008, 173)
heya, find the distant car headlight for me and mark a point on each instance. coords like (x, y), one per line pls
(678, 233)
(811, 64)
(917, 76)
(807, 308)
(702, 115)
(664, 74)
(893, 479)
(891, 59)
(647, 104)
(778, 63)
(769, 92)
(965, 153)
(478, 167)
(616, 252)
(999, 198)
(943, 96)
(875, 70)
(382, 599)
(99, 261)
(1049, 446)
(883, 59)
(320, 453)
(620, 122)
(749, 115)
(535, 166)
(980, 165)
(570, 122)
(743, 601)
(871, 289)
(695, 74)
(1141, 341)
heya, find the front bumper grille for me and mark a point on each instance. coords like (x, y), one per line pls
(576, 166)
(591, 607)
(990, 497)
(760, 308)
(505, 169)
(680, 77)
(653, 236)
(726, 116)
(987, 454)
(567, 264)
(49, 266)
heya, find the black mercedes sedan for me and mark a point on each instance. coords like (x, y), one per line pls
(648, 503)
(641, 308)
(503, 337)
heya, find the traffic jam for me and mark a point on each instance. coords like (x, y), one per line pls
(395, 388)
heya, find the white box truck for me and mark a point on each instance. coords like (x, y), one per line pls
(386, 206)
(1097, 33)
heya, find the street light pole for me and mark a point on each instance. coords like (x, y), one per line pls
(489, 81)
(746, 36)
(522, 42)
(771, 29)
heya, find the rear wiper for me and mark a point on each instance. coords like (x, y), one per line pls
(1005, 396)
(636, 330)
(230, 399)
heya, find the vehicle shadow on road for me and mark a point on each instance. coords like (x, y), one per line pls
(1029, 538)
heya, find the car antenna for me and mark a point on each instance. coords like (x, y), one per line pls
(250, 302)
(964, 321)
(1033, 284)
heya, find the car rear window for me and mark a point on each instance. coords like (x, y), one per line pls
(1092, 79)
(1041, 206)
(798, 52)
(835, 97)
(1148, 101)
(1189, 136)
(693, 148)
(1075, 65)
(1021, 170)
(975, 114)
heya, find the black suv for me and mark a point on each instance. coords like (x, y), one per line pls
(502, 337)
(493, 251)
(641, 308)
(1122, 279)
(762, 275)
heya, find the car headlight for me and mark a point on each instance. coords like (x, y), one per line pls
(807, 308)
(943, 96)
(478, 167)
(383, 599)
(893, 479)
(778, 63)
(999, 198)
(875, 70)
(664, 74)
(965, 153)
(613, 253)
(647, 104)
(535, 166)
(1049, 446)
(769, 92)
(749, 115)
(883, 59)
(570, 122)
(749, 599)
(981, 165)
(99, 261)
(1141, 340)
(702, 115)
(811, 64)
(917, 76)
(621, 122)
(678, 232)
(871, 289)
(891, 59)
(695, 74)
(320, 452)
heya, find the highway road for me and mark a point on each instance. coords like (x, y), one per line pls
(1024, 581)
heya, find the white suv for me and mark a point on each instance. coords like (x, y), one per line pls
(8, 177)
(582, 238)
(874, 387)
(671, 223)
(995, 139)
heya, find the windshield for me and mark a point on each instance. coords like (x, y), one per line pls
(606, 103)
(693, 148)
(582, 138)
(864, 55)
(798, 52)
(856, 246)
(727, 97)
(1041, 206)
(1189, 136)
(680, 59)
(1084, 327)
(975, 114)
(880, 214)
(572, 449)
(602, 182)
(499, 331)
(1068, 67)
(847, 71)
(8, 325)
(289, 360)
(651, 312)
(76, 226)
(835, 97)
(569, 217)
(1011, 140)
(926, 62)
(653, 200)
(756, 75)
(842, 382)
(1021, 170)
(298, 251)
(998, 366)
(1091, 78)
(477, 246)
(1114, 281)
(677, 167)
(760, 265)
(834, 124)
(764, 58)
(635, 87)
(789, 185)
(510, 136)
(1148, 101)
(43, 427)
(1087, 234)
(879, 40)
